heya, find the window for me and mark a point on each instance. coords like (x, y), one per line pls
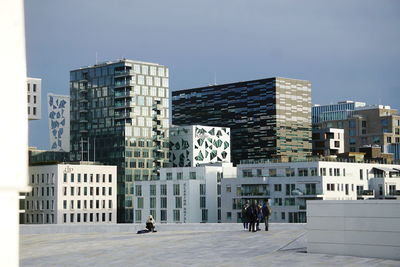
(272, 172)
(177, 215)
(228, 188)
(229, 216)
(163, 202)
(352, 124)
(163, 215)
(289, 189)
(72, 190)
(314, 171)
(204, 215)
(153, 202)
(178, 202)
(361, 174)
(179, 175)
(192, 175)
(153, 190)
(163, 189)
(85, 178)
(202, 202)
(247, 173)
(109, 178)
(277, 187)
(65, 177)
(169, 175)
(289, 172)
(140, 203)
(72, 177)
(202, 189)
(176, 190)
(138, 189)
(278, 201)
(283, 216)
(303, 171)
(138, 215)
(79, 177)
(65, 204)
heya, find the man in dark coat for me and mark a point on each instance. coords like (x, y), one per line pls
(266, 210)
(252, 216)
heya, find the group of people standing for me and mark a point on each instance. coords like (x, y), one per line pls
(253, 214)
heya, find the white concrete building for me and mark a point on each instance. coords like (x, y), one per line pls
(386, 183)
(287, 186)
(197, 144)
(69, 193)
(182, 195)
(34, 88)
(58, 107)
(327, 141)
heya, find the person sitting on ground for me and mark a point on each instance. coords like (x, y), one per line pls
(151, 224)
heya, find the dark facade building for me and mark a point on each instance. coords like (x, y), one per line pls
(269, 118)
(119, 116)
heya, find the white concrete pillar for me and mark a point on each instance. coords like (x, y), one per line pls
(14, 126)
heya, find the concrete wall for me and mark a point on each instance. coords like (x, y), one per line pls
(365, 228)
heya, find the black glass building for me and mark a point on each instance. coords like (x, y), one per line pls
(269, 118)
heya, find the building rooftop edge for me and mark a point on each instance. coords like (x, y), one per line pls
(248, 81)
(106, 63)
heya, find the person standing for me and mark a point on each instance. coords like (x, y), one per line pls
(266, 210)
(245, 218)
(252, 215)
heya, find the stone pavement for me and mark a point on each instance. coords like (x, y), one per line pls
(185, 245)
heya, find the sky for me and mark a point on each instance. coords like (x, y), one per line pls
(349, 50)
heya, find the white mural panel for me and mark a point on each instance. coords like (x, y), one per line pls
(59, 121)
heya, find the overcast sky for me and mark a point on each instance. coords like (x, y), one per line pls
(347, 49)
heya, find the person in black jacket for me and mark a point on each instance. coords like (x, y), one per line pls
(252, 216)
(266, 210)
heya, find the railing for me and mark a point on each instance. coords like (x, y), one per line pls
(124, 94)
(123, 73)
(316, 159)
(264, 193)
(124, 83)
(365, 193)
(124, 104)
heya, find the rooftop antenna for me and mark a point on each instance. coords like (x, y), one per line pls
(96, 57)
(215, 78)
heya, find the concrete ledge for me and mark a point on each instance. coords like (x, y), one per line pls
(364, 228)
(114, 228)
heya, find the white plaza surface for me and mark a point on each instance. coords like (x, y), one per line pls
(175, 245)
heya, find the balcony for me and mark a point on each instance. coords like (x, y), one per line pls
(124, 73)
(123, 84)
(365, 193)
(255, 194)
(123, 115)
(124, 94)
(122, 105)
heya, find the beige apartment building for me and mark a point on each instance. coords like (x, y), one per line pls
(370, 125)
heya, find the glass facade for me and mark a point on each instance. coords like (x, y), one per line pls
(268, 118)
(339, 111)
(119, 116)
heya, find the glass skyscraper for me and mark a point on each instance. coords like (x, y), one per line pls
(119, 116)
(268, 118)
